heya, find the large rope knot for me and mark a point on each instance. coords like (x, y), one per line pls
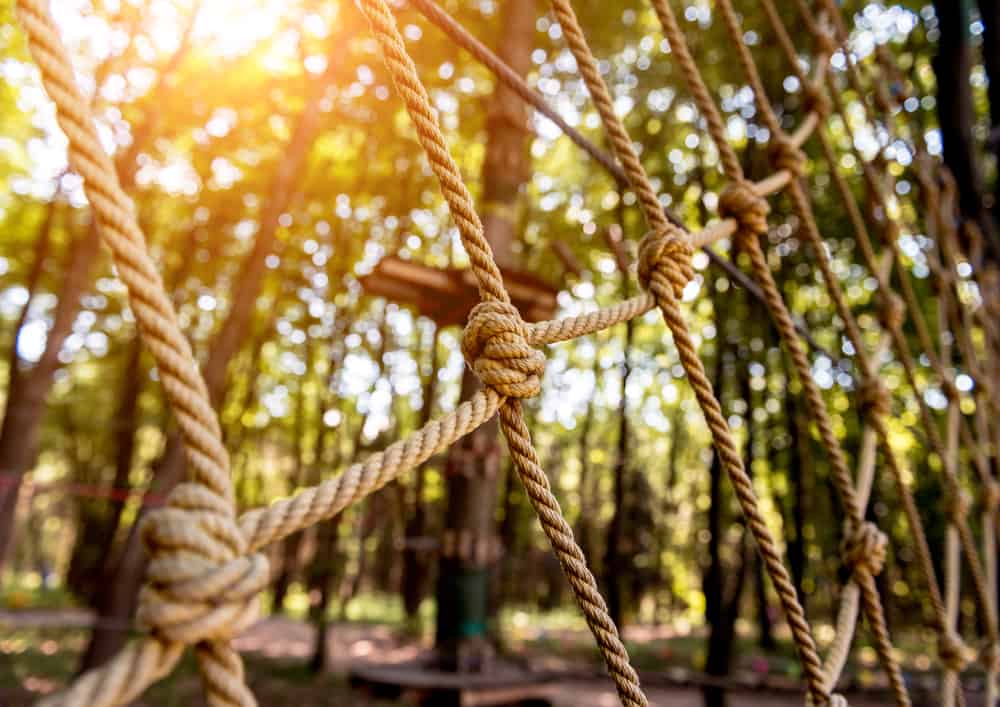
(954, 654)
(873, 397)
(666, 253)
(786, 155)
(864, 547)
(495, 346)
(835, 699)
(741, 202)
(200, 585)
(891, 310)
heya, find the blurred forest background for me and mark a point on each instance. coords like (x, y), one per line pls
(273, 168)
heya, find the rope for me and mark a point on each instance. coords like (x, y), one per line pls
(495, 343)
(864, 544)
(206, 574)
(664, 270)
(194, 541)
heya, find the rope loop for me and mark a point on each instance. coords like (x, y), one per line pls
(494, 344)
(786, 155)
(741, 202)
(891, 310)
(815, 100)
(864, 547)
(200, 585)
(954, 654)
(666, 253)
(873, 397)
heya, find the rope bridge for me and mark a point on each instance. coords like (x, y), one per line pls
(206, 570)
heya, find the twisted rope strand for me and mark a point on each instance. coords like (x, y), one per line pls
(213, 543)
(662, 279)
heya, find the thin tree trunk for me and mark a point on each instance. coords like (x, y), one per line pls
(417, 559)
(26, 397)
(470, 542)
(169, 469)
(956, 113)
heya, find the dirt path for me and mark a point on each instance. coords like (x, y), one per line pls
(352, 645)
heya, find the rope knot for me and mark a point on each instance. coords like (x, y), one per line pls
(200, 585)
(815, 100)
(666, 253)
(891, 310)
(786, 155)
(989, 658)
(864, 547)
(495, 346)
(873, 396)
(954, 654)
(950, 390)
(992, 497)
(741, 202)
(826, 43)
(957, 502)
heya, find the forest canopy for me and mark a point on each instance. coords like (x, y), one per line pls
(322, 281)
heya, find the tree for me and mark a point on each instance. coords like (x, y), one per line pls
(469, 543)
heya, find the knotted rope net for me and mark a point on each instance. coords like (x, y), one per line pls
(206, 570)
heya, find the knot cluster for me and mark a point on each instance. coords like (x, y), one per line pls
(815, 100)
(891, 310)
(495, 346)
(667, 254)
(200, 585)
(785, 154)
(864, 548)
(954, 654)
(741, 202)
(873, 397)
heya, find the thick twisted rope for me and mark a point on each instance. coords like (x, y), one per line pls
(194, 541)
(496, 345)
(668, 251)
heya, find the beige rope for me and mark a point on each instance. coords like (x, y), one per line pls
(496, 347)
(864, 545)
(194, 541)
(664, 269)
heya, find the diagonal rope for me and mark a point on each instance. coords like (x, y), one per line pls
(864, 544)
(665, 271)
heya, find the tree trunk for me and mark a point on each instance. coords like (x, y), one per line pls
(469, 543)
(26, 397)
(291, 547)
(616, 564)
(956, 113)
(417, 558)
(169, 469)
(989, 12)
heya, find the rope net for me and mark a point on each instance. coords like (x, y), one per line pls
(206, 569)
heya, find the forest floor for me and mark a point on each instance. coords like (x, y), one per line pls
(39, 648)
